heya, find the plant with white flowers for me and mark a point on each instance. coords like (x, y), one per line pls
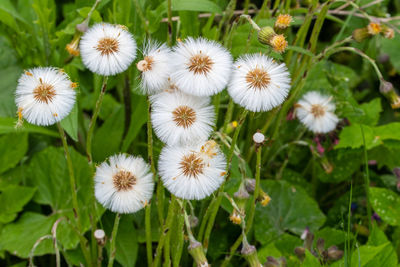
(316, 112)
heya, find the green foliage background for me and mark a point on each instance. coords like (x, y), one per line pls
(34, 184)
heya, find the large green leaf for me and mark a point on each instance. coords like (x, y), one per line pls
(49, 173)
(107, 138)
(388, 256)
(70, 123)
(13, 147)
(386, 204)
(290, 209)
(13, 198)
(391, 47)
(7, 125)
(127, 243)
(18, 238)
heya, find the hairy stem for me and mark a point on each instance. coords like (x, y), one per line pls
(114, 240)
(94, 119)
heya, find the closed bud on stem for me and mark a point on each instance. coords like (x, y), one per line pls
(263, 198)
(387, 89)
(361, 34)
(196, 250)
(320, 245)
(268, 36)
(300, 252)
(326, 165)
(241, 196)
(235, 217)
(100, 236)
(387, 32)
(250, 184)
(250, 254)
(73, 46)
(334, 253)
(82, 27)
(231, 127)
(272, 262)
(193, 220)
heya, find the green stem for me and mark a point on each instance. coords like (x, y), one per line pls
(217, 203)
(72, 182)
(165, 230)
(93, 120)
(367, 180)
(228, 114)
(142, 17)
(147, 225)
(149, 248)
(169, 11)
(114, 240)
(250, 216)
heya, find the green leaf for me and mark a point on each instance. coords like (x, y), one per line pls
(13, 148)
(386, 204)
(290, 209)
(198, 5)
(18, 238)
(351, 136)
(138, 119)
(8, 15)
(388, 256)
(310, 260)
(365, 255)
(49, 173)
(13, 198)
(7, 125)
(108, 137)
(391, 47)
(331, 236)
(70, 123)
(126, 243)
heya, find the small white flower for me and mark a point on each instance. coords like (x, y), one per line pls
(179, 118)
(44, 96)
(201, 67)
(124, 184)
(258, 83)
(107, 49)
(155, 67)
(316, 112)
(192, 172)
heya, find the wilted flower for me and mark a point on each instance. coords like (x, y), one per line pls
(107, 49)
(44, 96)
(283, 21)
(179, 118)
(259, 83)
(192, 172)
(124, 183)
(201, 67)
(316, 112)
(268, 36)
(155, 67)
(374, 28)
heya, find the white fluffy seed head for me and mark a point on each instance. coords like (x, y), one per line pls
(44, 96)
(316, 112)
(107, 49)
(124, 183)
(179, 118)
(192, 172)
(258, 138)
(155, 67)
(258, 83)
(201, 67)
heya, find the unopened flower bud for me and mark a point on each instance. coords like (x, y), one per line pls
(235, 217)
(82, 27)
(320, 245)
(264, 198)
(383, 58)
(300, 252)
(196, 250)
(361, 34)
(265, 35)
(258, 138)
(73, 46)
(100, 236)
(193, 220)
(250, 254)
(250, 184)
(334, 253)
(387, 32)
(387, 89)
